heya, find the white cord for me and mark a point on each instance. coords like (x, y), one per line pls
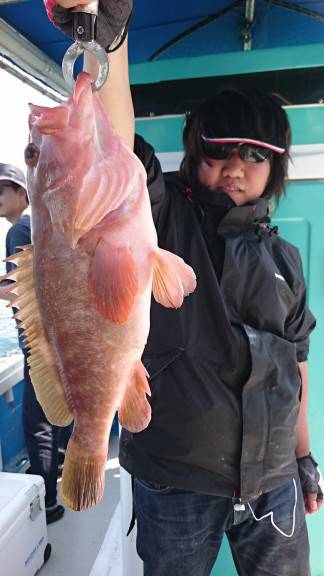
(271, 516)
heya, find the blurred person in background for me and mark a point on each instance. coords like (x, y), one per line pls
(42, 438)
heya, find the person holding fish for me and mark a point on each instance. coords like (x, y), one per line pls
(225, 448)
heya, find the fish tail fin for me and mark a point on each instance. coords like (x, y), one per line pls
(83, 479)
(173, 279)
(135, 411)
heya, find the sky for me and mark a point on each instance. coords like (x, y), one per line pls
(14, 99)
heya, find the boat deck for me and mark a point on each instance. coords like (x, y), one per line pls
(78, 540)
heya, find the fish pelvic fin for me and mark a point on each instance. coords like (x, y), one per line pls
(42, 367)
(135, 411)
(173, 279)
(113, 281)
(83, 479)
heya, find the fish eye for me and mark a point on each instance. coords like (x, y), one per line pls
(31, 154)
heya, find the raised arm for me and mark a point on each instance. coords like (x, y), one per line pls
(115, 94)
(113, 18)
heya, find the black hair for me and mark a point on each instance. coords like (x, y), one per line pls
(16, 187)
(238, 113)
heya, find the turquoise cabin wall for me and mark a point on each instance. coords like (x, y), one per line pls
(300, 219)
(165, 132)
(225, 64)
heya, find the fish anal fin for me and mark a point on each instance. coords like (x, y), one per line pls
(173, 279)
(46, 379)
(113, 281)
(135, 411)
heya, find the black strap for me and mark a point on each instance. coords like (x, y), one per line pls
(133, 518)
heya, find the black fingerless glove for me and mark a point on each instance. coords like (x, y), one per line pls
(310, 476)
(111, 24)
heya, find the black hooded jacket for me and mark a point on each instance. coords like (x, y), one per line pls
(224, 367)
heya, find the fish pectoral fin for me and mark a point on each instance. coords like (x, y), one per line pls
(43, 371)
(173, 279)
(113, 281)
(135, 411)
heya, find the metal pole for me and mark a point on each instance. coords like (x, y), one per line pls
(29, 58)
(247, 27)
(30, 81)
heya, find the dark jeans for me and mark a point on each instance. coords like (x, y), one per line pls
(42, 439)
(179, 533)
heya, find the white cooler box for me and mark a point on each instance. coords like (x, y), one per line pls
(23, 531)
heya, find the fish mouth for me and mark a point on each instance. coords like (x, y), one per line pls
(48, 120)
(82, 85)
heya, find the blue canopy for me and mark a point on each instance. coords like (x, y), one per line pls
(186, 28)
(276, 23)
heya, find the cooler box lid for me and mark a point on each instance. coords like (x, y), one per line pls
(17, 491)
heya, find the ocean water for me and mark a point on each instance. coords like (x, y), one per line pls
(8, 331)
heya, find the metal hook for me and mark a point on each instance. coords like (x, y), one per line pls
(74, 51)
(84, 33)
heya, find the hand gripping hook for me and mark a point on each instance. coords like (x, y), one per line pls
(83, 26)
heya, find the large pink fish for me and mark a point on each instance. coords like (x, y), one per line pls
(85, 285)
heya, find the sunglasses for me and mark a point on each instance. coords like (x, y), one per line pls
(251, 151)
